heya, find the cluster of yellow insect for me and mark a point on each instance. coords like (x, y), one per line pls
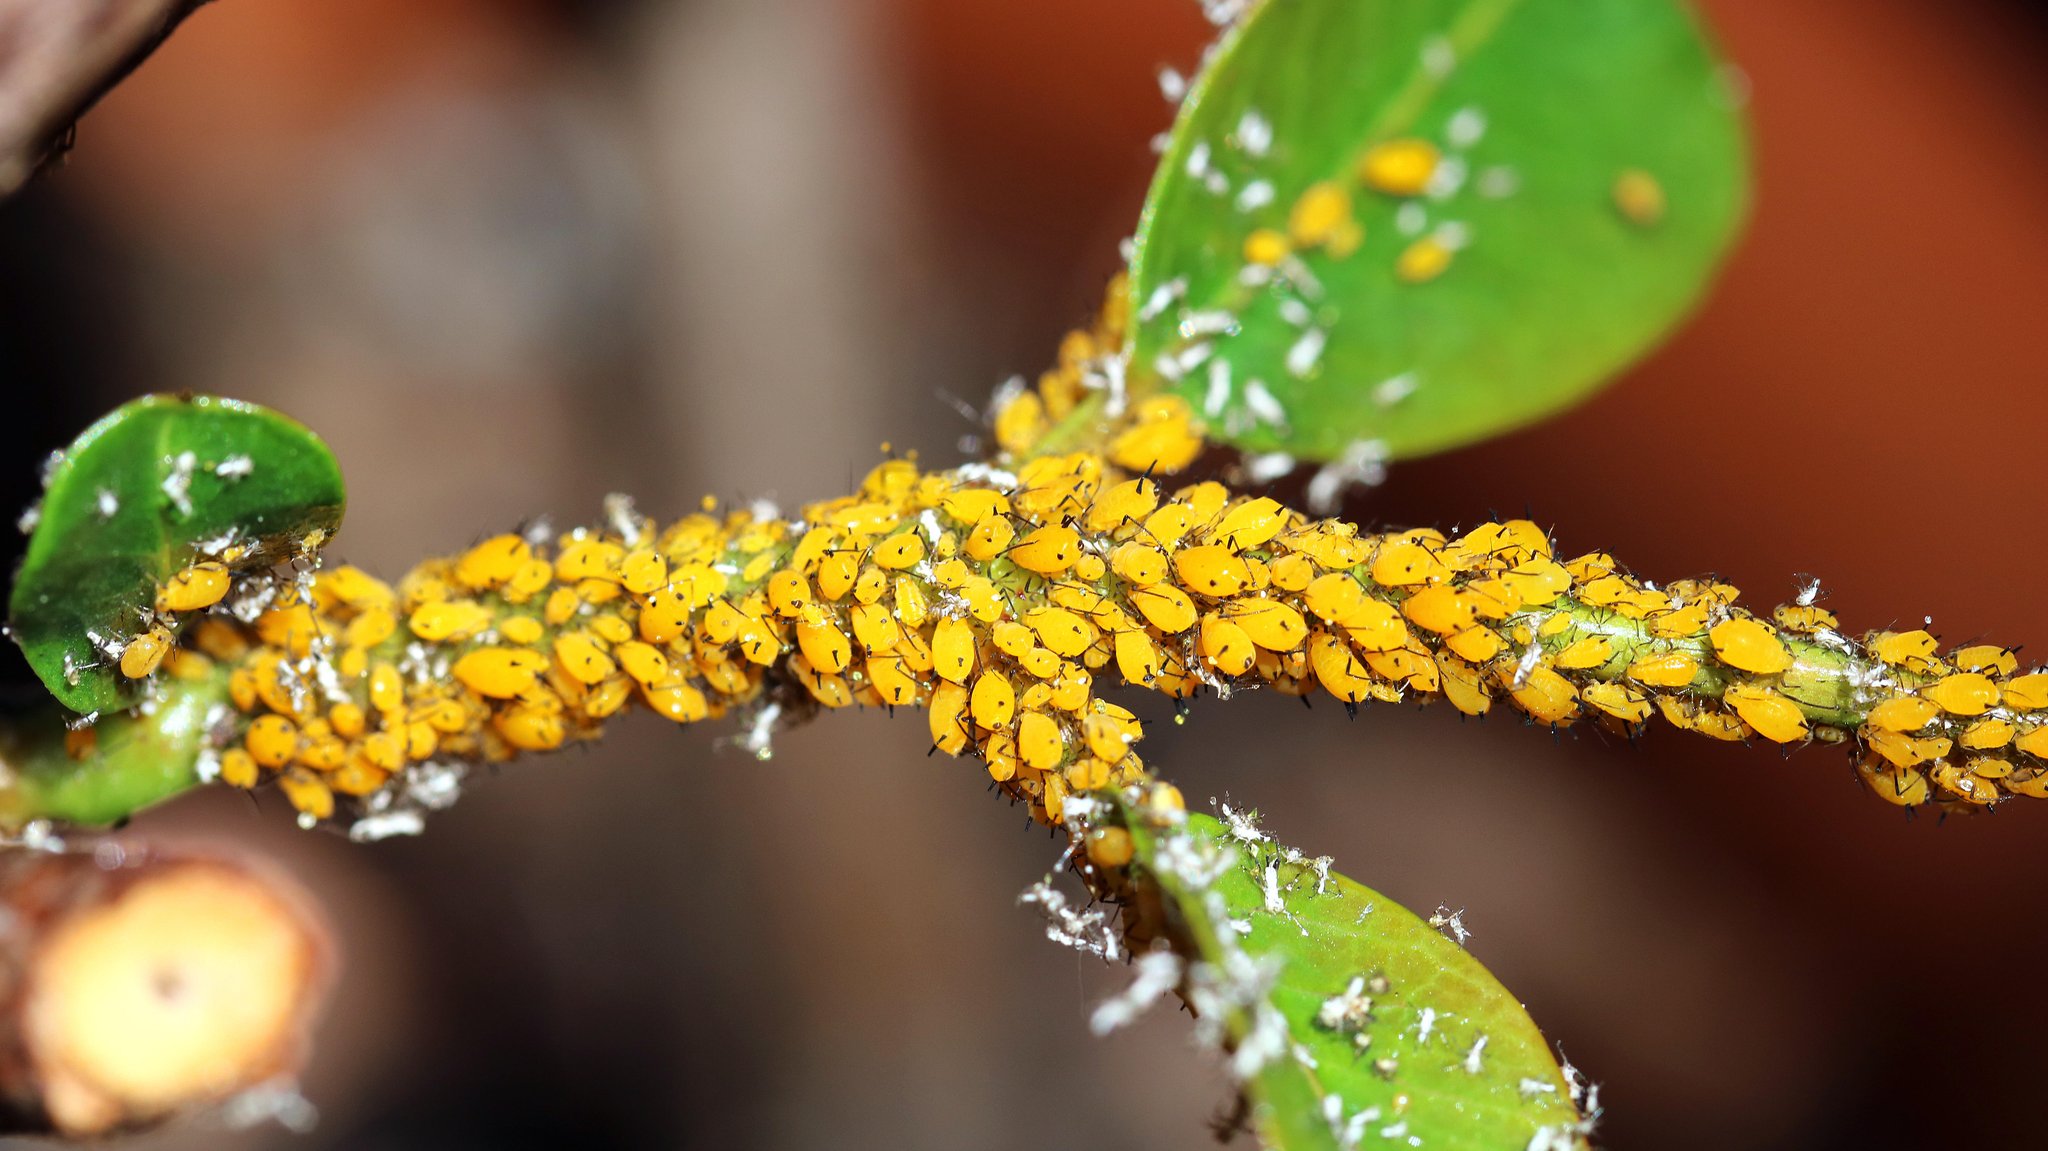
(995, 600)
(1322, 218)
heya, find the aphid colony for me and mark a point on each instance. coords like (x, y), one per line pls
(994, 601)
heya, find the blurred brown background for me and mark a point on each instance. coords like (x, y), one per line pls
(509, 256)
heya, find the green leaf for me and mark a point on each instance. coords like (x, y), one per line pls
(1430, 1003)
(1538, 110)
(130, 761)
(135, 499)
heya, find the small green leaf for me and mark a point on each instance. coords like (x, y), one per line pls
(1449, 1058)
(134, 500)
(1538, 110)
(130, 761)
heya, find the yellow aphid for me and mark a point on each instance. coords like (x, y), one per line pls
(1406, 563)
(1746, 645)
(450, 620)
(677, 701)
(953, 644)
(1012, 638)
(1070, 690)
(1293, 572)
(1270, 624)
(836, 573)
(663, 617)
(2027, 692)
(387, 690)
(1903, 713)
(1041, 663)
(1138, 564)
(1638, 197)
(309, 796)
(900, 551)
(1339, 669)
(1423, 261)
(643, 662)
(1804, 618)
(1108, 739)
(869, 585)
(1374, 625)
(1165, 527)
(948, 718)
(1165, 607)
(1226, 646)
(350, 586)
(1124, 503)
(1905, 750)
(1440, 608)
(520, 629)
(1901, 649)
(989, 538)
(562, 606)
(1987, 658)
(1680, 623)
(580, 656)
(492, 562)
(291, 626)
(1666, 669)
(1588, 651)
(196, 588)
(587, 558)
(1964, 693)
(891, 680)
(238, 768)
(1399, 167)
(985, 601)
(1265, 247)
(1905, 787)
(1538, 581)
(1772, 715)
(911, 605)
(272, 740)
(1618, 700)
(970, 506)
(530, 728)
(1986, 735)
(1109, 847)
(1211, 570)
(1089, 568)
(1547, 696)
(1060, 630)
(1054, 800)
(1476, 644)
(1137, 657)
(1318, 213)
(1036, 695)
(789, 593)
(1332, 597)
(143, 653)
(993, 700)
(530, 580)
(1039, 741)
(1019, 423)
(443, 715)
(220, 640)
(500, 672)
(1163, 437)
(1047, 551)
(2034, 741)
(643, 570)
(1250, 524)
(1962, 785)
